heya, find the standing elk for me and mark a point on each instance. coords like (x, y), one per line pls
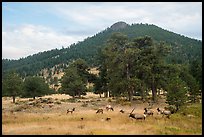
(164, 112)
(99, 111)
(137, 116)
(122, 111)
(70, 110)
(109, 107)
(148, 111)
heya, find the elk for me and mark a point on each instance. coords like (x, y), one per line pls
(70, 110)
(109, 107)
(164, 112)
(108, 118)
(171, 108)
(122, 111)
(51, 105)
(137, 116)
(148, 111)
(99, 111)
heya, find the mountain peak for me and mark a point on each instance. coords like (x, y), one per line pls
(119, 25)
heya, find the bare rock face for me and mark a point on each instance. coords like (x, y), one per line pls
(119, 25)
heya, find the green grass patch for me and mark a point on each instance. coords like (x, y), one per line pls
(192, 109)
(181, 123)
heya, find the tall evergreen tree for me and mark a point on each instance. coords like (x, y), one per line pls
(117, 65)
(150, 65)
(100, 83)
(82, 68)
(196, 71)
(177, 90)
(130, 64)
(35, 87)
(72, 82)
(191, 82)
(12, 85)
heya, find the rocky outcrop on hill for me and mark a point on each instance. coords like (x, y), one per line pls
(119, 25)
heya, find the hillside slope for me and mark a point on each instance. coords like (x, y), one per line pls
(184, 49)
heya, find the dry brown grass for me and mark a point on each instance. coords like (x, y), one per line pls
(29, 123)
(55, 121)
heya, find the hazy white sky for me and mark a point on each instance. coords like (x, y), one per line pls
(32, 27)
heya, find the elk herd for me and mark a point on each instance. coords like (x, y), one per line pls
(147, 112)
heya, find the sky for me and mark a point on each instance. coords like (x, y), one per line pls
(32, 27)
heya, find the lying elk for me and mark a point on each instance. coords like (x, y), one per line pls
(148, 111)
(171, 108)
(108, 118)
(109, 107)
(137, 116)
(99, 111)
(164, 112)
(122, 111)
(70, 110)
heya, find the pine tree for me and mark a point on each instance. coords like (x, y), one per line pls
(176, 94)
(12, 85)
(35, 87)
(72, 82)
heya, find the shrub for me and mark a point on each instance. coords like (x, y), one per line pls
(20, 108)
(84, 105)
(109, 100)
(57, 102)
(72, 100)
(123, 102)
(64, 100)
(126, 103)
(31, 99)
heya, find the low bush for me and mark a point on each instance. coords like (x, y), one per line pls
(109, 100)
(57, 102)
(71, 100)
(84, 105)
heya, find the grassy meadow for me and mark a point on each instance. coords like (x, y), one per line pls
(55, 121)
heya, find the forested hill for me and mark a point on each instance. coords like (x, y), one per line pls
(184, 49)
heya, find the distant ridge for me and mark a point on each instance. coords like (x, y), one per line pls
(184, 49)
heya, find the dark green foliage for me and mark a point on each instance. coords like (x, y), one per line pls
(192, 84)
(75, 78)
(72, 83)
(55, 82)
(82, 68)
(115, 62)
(12, 85)
(100, 83)
(133, 65)
(150, 64)
(35, 87)
(177, 90)
(196, 71)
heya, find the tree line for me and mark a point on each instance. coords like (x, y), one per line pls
(126, 67)
(32, 86)
(134, 66)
